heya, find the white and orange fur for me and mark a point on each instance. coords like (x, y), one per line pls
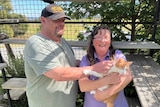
(119, 66)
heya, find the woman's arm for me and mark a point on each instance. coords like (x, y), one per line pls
(89, 85)
(114, 89)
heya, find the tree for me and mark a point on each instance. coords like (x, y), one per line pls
(120, 16)
(135, 18)
(19, 29)
(13, 29)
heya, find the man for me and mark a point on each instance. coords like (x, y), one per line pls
(50, 65)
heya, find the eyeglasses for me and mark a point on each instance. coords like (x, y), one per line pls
(101, 38)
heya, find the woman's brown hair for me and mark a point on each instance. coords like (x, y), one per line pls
(91, 49)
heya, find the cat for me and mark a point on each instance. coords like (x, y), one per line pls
(119, 65)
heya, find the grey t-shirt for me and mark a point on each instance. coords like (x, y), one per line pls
(42, 54)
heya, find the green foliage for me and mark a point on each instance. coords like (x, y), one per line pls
(19, 29)
(12, 30)
(6, 29)
(1, 82)
(158, 34)
(15, 67)
(121, 11)
(80, 99)
(5, 8)
(22, 102)
(80, 36)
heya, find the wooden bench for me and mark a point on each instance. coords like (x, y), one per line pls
(2, 66)
(146, 78)
(15, 94)
(16, 87)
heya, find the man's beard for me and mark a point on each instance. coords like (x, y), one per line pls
(58, 33)
(58, 36)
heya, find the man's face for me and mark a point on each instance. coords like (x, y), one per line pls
(54, 28)
(59, 27)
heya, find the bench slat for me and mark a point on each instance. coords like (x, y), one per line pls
(150, 73)
(146, 80)
(15, 94)
(15, 83)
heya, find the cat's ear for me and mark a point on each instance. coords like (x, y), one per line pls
(129, 62)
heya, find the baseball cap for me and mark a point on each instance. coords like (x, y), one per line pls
(54, 12)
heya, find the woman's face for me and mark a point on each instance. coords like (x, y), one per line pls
(101, 41)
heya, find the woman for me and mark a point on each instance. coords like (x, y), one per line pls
(100, 49)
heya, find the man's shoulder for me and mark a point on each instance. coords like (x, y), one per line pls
(36, 40)
(34, 37)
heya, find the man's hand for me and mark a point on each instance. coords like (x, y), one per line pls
(103, 66)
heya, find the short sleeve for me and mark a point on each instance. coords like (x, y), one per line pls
(84, 61)
(119, 54)
(43, 57)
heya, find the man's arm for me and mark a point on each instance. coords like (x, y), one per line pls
(75, 73)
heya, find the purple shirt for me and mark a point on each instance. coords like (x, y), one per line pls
(89, 100)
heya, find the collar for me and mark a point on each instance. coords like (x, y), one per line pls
(106, 57)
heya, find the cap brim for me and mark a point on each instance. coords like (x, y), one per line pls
(58, 16)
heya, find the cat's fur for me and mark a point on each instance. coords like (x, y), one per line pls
(119, 65)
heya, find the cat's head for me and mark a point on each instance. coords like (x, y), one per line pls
(122, 64)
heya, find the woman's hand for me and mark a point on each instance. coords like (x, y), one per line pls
(115, 88)
(89, 85)
(113, 78)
